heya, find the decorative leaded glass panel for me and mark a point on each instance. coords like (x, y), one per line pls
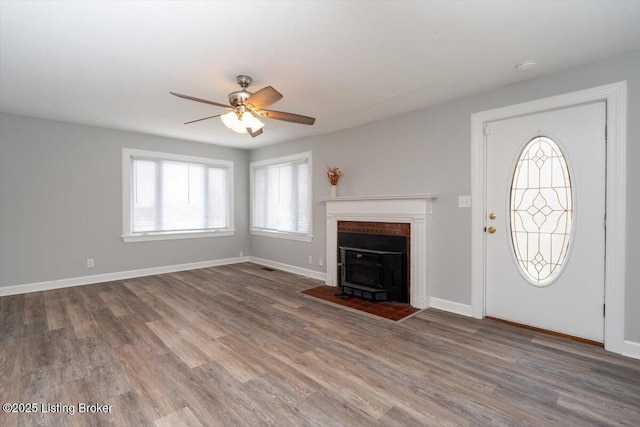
(541, 211)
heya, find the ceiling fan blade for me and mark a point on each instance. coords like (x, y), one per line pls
(204, 118)
(287, 117)
(192, 98)
(254, 134)
(262, 98)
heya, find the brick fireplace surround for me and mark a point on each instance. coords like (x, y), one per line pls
(384, 228)
(393, 215)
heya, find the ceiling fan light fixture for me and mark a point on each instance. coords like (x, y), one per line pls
(251, 121)
(228, 119)
(231, 121)
(248, 120)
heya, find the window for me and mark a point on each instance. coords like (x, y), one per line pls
(170, 196)
(541, 208)
(281, 197)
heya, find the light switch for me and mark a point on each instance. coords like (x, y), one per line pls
(464, 201)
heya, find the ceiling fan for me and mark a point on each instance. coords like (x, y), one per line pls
(243, 103)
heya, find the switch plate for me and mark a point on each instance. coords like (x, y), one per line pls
(464, 201)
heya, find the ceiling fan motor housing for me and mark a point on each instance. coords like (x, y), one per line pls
(239, 97)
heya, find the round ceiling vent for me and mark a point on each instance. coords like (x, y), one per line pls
(526, 65)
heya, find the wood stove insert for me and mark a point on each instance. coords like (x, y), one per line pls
(373, 274)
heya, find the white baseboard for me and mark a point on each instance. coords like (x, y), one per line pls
(631, 349)
(451, 306)
(289, 268)
(109, 277)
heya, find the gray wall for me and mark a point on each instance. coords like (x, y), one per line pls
(61, 202)
(428, 151)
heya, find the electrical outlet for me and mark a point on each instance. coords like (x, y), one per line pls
(321, 262)
(89, 262)
(241, 253)
(310, 259)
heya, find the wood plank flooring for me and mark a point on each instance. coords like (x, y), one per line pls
(241, 346)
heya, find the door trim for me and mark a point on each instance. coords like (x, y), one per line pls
(615, 95)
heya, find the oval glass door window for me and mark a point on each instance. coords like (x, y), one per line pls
(541, 211)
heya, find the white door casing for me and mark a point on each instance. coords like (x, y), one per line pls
(616, 97)
(545, 260)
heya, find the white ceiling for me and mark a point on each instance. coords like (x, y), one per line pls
(113, 63)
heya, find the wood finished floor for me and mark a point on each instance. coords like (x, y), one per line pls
(238, 345)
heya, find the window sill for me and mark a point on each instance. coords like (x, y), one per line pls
(177, 235)
(283, 235)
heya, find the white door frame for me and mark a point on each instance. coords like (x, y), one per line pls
(616, 97)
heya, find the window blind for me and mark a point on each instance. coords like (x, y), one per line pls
(281, 197)
(173, 196)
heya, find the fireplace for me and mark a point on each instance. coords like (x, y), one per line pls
(373, 275)
(412, 211)
(373, 259)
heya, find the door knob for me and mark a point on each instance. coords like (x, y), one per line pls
(491, 229)
(492, 216)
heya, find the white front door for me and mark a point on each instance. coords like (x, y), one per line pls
(545, 240)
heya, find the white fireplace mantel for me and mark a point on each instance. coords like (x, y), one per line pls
(414, 209)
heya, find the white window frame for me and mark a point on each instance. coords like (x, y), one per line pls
(283, 234)
(129, 236)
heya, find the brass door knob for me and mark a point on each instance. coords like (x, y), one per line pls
(491, 229)
(492, 216)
